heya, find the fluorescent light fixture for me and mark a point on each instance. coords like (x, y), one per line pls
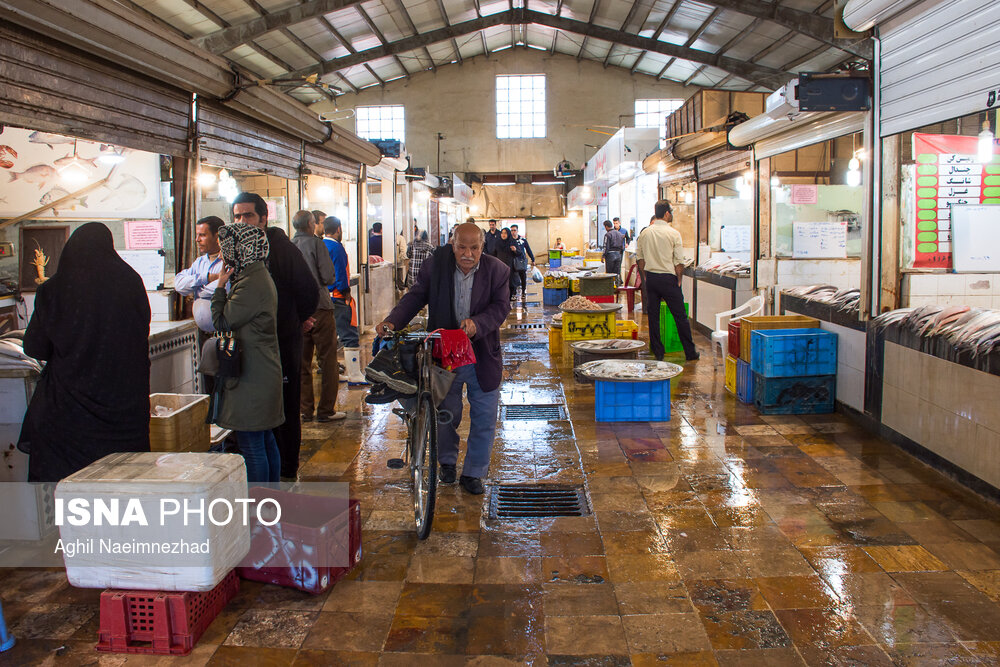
(985, 152)
(549, 182)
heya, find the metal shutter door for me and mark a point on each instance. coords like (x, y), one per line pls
(939, 61)
(722, 162)
(323, 162)
(50, 87)
(234, 141)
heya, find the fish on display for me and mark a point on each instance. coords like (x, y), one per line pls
(126, 195)
(57, 193)
(39, 175)
(49, 139)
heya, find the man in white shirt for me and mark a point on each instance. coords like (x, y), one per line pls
(200, 279)
(660, 255)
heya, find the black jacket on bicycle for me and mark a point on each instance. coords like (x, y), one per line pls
(435, 288)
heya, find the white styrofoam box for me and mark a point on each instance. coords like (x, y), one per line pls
(159, 305)
(150, 477)
(16, 388)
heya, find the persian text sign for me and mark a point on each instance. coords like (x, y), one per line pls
(948, 174)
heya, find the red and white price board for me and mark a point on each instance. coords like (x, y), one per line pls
(949, 173)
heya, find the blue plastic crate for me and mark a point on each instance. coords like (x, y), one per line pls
(632, 401)
(554, 262)
(795, 396)
(744, 382)
(553, 297)
(780, 353)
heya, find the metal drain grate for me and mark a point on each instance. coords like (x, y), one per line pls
(540, 325)
(534, 412)
(529, 346)
(509, 501)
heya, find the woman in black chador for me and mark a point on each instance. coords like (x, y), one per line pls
(91, 325)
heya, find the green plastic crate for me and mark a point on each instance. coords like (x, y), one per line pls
(668, 330)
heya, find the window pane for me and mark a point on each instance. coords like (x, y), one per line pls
(520, 106)
(381, 122)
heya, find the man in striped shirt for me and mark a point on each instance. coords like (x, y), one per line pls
(418, 250)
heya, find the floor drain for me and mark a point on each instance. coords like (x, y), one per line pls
(533, 412)
(540, 325)
(509, 501)
(529, 346)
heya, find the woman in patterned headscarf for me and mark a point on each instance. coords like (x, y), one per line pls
(251, 404)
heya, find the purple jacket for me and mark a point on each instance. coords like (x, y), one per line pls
(435, 288)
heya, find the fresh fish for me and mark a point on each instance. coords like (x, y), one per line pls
(69, 159)
(57, 193)
(945, 317)
(49, 139)
(39, 175)
(891, 317)
(126, 195)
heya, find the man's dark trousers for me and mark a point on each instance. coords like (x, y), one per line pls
(664, 286)
(289, 434)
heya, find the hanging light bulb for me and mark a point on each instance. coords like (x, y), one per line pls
(854, 171)
(206, 179)
(74, 171)
(661, 167)
(985, 152)
(688, 197)
(775, 181)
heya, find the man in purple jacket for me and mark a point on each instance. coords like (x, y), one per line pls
(464, 289)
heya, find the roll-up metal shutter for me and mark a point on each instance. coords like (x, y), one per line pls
(824, 128)
(50, 87)
(323, 162)
(939, 61)
(722, 162)
(234, 141)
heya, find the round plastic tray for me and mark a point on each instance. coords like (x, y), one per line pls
(604, 370)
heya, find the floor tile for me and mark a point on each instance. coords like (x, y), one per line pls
(646, 633)
(585, 635)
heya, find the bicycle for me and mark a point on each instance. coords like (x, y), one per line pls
(421, 419)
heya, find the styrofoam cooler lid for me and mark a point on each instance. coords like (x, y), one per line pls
(174, 472)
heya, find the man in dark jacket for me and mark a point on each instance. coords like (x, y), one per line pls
(492, 236)
(298, 296)
(466, 290)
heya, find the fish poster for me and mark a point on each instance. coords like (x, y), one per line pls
(40, 168)
(949, 173)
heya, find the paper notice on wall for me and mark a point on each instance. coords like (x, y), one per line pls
(735, 238)
(814, 240)
(144, 234)
(805, 194)
(148, 264)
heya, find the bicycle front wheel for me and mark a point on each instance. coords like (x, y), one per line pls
(423, 464)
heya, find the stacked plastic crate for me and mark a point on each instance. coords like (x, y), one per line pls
(598, 288)
(794, 371)
(555, 289)
(744, 372)
(668, 330)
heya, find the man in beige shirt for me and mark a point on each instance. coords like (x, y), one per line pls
(660, 254)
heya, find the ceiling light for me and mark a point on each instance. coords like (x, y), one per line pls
(74, 171)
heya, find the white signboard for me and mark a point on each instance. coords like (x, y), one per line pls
(735, 238)
(975, 233)
(148, 264)
(819, 240)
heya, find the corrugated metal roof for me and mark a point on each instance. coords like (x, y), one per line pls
(388, 39)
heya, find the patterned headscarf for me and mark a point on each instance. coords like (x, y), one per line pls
(242, 245)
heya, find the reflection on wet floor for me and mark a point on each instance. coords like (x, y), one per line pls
(720, 537)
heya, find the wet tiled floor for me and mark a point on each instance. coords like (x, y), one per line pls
(720, 537)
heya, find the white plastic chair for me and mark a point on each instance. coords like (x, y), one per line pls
(720, 336)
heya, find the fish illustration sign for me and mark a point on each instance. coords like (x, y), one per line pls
(948, 173)
(37, 169)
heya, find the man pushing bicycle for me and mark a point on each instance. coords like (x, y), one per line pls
(463, 289)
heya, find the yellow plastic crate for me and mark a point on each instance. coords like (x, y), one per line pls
(587, 326)
(759, 322)
(574, 286)
(556, 282)
(626, 329)
(731, 374)
(555, 340)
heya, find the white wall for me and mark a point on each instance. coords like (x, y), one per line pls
(459, 101)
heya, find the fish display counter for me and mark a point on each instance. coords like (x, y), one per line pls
(932, 382)
(713, 291)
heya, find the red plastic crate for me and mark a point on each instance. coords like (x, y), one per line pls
(310, 533)
(734, 338)
(602, 299)
(160, 622)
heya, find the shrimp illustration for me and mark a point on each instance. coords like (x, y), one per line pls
(40, 262)
(6, 162)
